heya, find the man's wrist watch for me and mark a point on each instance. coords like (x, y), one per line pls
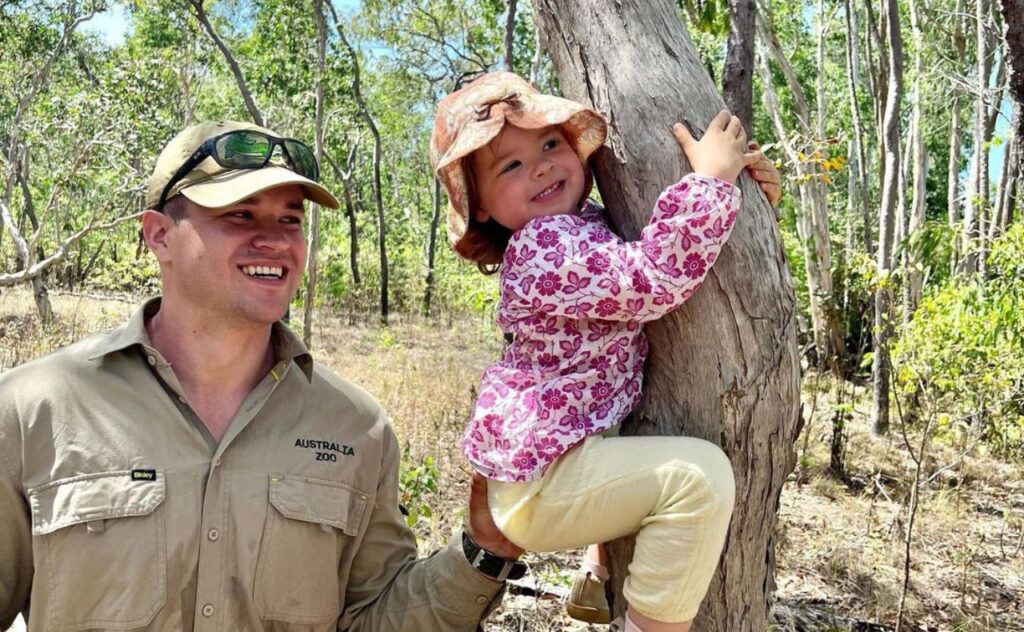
(494, 566)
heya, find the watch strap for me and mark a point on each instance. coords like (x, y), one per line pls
(489, 564)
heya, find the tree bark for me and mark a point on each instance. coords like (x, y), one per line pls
(1013, 36)
(954, 199)
(852, 79)
(914, 282)
(738, 72)
(510, 36)
(886, 225)
(435, 219)
(236, 70)
(977, 198)
(741, 390)
(313, 248)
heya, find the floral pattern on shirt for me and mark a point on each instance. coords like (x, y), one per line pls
(575, 297)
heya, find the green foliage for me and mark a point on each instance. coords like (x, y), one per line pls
(965, 349)
(418, 490)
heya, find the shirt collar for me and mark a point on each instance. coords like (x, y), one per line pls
(287, 346)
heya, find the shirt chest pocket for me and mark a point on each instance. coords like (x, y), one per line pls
(99, 546)
(309, 523)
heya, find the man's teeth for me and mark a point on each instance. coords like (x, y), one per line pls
(264, 271)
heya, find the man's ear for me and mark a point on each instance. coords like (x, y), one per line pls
(155, 227)
(481, 215)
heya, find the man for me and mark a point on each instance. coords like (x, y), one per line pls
(194, 468)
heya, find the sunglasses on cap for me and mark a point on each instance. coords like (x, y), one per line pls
(247, 149)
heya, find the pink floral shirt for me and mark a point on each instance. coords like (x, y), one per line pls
(575, 297)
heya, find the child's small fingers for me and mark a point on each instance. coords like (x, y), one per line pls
(721, 120)
(751, 158)
(753, 146)
(682, 135)
(735, 127)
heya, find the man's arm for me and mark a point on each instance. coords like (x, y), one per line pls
(16, 568)
(390, 590)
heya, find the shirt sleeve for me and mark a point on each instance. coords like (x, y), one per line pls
(557, 268)
(16, 566)
(390, 589)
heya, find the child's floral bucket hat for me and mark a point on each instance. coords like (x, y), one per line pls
(472, 116)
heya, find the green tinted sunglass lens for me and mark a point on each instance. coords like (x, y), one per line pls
(305, 162)
(243, 150)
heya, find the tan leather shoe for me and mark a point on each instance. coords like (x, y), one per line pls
(587, 602)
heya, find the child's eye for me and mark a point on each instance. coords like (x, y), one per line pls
(510, 166)
(550, 143)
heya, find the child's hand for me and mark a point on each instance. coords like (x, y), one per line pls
(721, 152)
(766, 176)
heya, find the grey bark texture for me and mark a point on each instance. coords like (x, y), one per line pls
(724, 366)
(887, 224)
(313, 249)
(1013, 36)
(737, 74)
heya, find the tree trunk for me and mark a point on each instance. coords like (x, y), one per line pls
(913, 284)
(812, 216)
(742, 390)
(886, 224)
(432, 247)
(954, 199)
(364, 111)
(510, 36)
(236, 70)
(1013, 36)
(852, 80)
(977, 197)
(314, 214)
(737, 74)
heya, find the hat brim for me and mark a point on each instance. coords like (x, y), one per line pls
(234, 186)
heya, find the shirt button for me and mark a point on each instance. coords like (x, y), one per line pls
(151, 360)
(213, 534)
(480, 599)
(216, 462)
(208, 610)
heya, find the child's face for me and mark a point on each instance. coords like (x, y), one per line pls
(527, 173)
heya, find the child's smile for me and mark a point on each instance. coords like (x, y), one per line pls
(527, 173)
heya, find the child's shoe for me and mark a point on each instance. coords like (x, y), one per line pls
(588, 602)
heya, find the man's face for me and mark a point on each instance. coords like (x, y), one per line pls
(241, 263)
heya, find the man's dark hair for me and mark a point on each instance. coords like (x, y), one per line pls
(176, 208)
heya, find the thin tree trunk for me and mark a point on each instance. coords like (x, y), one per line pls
(977, 198)
(350, 209)
(737, 74)
(954, 199)
(852, 80)
(812, 220)
(886, 224)
(378, 198)
(742, 390)
(538, 48)
(236, 70)
(435, 219)
(510, 36)
(312, 271)
(1013, 36)
(913, 284)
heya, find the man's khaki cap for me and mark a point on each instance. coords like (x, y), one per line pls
(214, 186)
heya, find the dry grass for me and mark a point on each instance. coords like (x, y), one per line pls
(840, 544)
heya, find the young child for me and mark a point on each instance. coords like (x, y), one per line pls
(575, 297)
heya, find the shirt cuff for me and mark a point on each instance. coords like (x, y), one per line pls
(485, 592)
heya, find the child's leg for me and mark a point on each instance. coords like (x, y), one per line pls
(678, 491)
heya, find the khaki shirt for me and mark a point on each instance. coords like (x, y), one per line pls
(118, 509)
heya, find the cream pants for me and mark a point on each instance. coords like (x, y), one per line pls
(675, 493)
